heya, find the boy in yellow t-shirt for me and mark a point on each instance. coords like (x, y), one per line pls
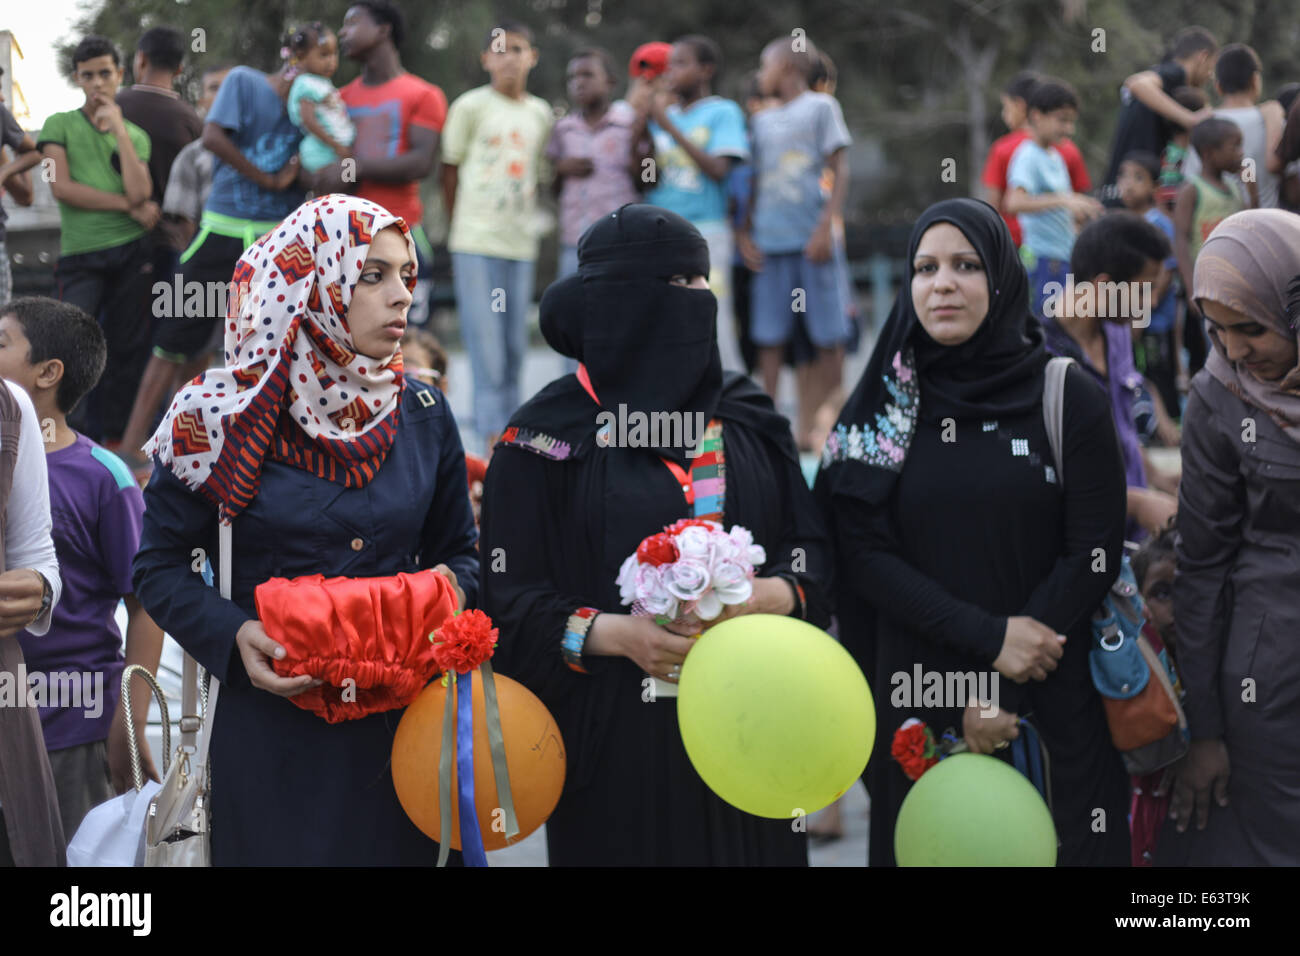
(492, 147)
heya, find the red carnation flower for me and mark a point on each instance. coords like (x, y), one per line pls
(657, 549)
(464, 642)
(913, 748)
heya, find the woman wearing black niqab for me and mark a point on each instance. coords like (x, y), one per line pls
(566, 502)
(957, 548)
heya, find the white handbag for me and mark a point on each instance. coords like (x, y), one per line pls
(177, 824)
(112, 834)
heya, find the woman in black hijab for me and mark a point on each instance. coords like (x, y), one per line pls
(958, 551)
(566, 501)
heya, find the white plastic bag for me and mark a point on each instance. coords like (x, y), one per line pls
(112, 834)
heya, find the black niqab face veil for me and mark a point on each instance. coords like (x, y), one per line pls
(647, 344)
(997, 371)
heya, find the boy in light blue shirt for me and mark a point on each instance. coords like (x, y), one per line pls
(1039, 190)
(696, 144)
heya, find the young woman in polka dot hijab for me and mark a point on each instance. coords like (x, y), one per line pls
(303, 383)
(334, 470)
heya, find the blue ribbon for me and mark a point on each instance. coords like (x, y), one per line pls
(471, 840)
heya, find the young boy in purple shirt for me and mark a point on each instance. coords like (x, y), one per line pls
(1119, 249)
(57, 352)
(593, 152)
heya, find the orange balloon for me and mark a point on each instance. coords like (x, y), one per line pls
(534, 756)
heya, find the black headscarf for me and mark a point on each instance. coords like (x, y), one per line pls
(646, 343)
(997, 371)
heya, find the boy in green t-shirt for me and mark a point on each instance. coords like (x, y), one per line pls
(492, 146)
(1204, 201)
(101, 181)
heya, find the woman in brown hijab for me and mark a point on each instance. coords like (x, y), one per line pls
(1236, 797)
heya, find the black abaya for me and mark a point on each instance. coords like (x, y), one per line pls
(555, 533)
(975, 531)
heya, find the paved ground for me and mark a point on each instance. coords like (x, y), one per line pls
(851, 850)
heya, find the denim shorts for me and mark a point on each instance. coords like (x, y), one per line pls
(774, 301)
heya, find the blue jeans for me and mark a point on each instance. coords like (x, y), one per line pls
(1042, 271)
(493, 296)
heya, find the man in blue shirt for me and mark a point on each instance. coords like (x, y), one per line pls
(255, 184)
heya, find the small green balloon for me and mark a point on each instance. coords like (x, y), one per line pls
(775, 715)
(974, 810)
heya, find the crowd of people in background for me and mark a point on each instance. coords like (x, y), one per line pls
(1174, 287)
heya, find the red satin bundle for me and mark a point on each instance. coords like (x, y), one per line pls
(374, 631)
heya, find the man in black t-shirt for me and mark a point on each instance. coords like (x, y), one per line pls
(1148, 109)
(171, 123)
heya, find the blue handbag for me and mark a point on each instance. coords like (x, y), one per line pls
(1137, 685)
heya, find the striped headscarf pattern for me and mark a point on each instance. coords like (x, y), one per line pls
(293, 388)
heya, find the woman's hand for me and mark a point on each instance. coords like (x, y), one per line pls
(987, 734)
(256, 650)
(655, 650)
(1029, 649)
(450, 575)
(1204, 771)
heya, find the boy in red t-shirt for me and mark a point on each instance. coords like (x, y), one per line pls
(1015, 114)
(398, 118)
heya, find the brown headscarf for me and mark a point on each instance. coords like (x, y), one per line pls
(1251, 263)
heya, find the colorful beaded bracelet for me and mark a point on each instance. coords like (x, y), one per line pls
(575, 635)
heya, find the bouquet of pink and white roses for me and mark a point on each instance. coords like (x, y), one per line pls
(692, 566)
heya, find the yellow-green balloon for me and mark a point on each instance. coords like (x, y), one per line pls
(775, 715)
(974, 810)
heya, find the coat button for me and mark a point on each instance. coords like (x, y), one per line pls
(357, 544)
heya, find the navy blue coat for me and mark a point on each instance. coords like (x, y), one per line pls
(287, 787)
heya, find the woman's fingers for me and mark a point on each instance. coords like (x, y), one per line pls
(264, 677)
(257, 639)
(450, 575)
(669, 653)
(256, 649)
